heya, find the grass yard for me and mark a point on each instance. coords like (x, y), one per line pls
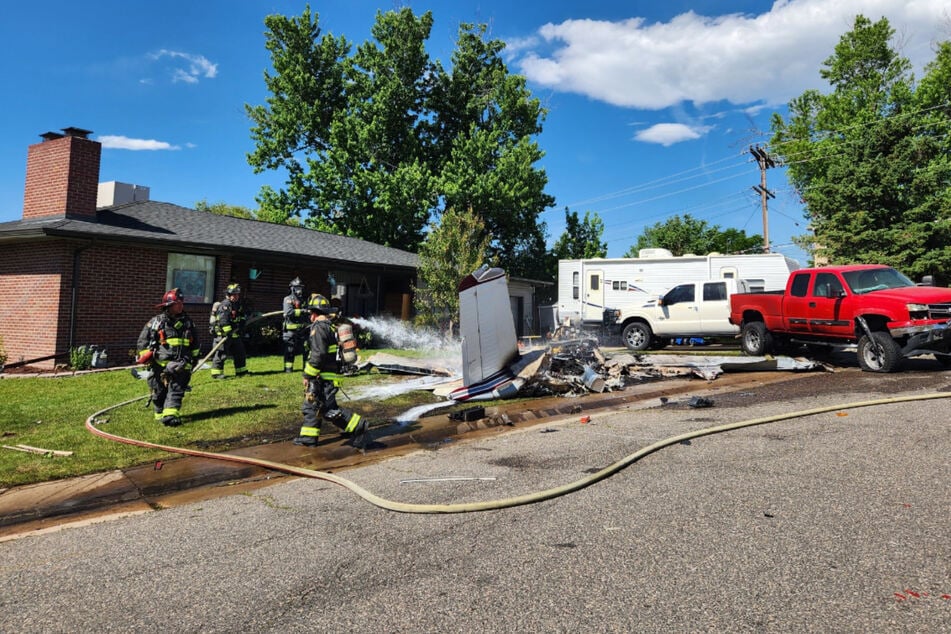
(218, 415)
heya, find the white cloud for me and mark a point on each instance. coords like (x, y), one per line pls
(125, 143)
(197, 67)
(669, 133)
(740, 58)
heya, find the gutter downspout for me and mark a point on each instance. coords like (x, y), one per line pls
(74, 293)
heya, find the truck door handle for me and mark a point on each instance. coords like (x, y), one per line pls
(812, 304)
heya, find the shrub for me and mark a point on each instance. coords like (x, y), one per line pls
(80, 358)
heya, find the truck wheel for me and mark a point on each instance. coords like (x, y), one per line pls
(878, 354)
(637, 336)
(755, 340)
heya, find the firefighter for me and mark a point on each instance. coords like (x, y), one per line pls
(321, 381)
(296, 321)
(227, 323)
(169, 346)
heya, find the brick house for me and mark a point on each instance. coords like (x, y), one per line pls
(88, 261)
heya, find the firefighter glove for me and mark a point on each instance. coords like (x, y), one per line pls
(175, 367)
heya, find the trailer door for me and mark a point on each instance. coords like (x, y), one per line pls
(593, 307)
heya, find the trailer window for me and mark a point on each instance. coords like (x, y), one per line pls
(594, 282)
(575, 291)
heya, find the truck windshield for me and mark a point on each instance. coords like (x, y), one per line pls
(875, 280)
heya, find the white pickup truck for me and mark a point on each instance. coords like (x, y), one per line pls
(694, 309)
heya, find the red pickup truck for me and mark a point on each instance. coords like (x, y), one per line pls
(876, 307)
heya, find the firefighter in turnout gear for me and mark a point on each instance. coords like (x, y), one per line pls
(321, 380)
(227, 323)
(296, 322)
(169, 347)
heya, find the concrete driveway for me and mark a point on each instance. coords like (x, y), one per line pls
(830, 522)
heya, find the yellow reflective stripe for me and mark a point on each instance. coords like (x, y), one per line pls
(298, 312)
(176, 341)
(310, 370)
(226, 328)
(352, 423)
(141, 352)
(332, 349)
(313, 432)
(331, 376)
(293, 326)
(170, 411)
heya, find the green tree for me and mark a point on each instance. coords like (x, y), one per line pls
(379, 142)
(870, 158)
(485, 121)
(581, 238)
(454, 248)
(224, 209)
(682, 235)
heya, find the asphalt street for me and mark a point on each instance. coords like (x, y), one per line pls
(832, 522)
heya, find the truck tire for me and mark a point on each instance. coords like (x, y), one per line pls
(637, 336)
(755, 340)
(880, 353)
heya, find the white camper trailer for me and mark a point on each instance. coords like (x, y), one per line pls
(625, 287)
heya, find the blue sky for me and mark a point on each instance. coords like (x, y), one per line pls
(651, 106)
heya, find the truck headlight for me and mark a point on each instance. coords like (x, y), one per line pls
(917, 311)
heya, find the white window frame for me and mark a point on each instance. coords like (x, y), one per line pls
(193, 274)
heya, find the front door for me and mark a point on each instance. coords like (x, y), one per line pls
(681, 311)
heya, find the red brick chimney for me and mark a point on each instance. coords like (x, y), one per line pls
(62, 176)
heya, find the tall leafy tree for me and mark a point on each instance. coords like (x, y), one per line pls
(869, 159)
(224, 209)
(377, 143)
(453, 248)
(682, 235)
(485, 121)
(581, 238)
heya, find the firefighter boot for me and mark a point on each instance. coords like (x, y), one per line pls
(171, 421)
(359, 435)
(308, 436)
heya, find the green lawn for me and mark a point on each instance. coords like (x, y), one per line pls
(218, 415)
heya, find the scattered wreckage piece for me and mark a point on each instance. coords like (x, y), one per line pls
(711, 366)
(404, 365)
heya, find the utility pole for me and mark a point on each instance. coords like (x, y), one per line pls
(765, 162)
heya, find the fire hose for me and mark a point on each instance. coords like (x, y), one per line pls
(531, 498)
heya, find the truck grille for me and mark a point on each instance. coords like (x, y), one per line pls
(939, 311)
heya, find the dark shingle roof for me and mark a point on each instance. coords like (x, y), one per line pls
(169, 225)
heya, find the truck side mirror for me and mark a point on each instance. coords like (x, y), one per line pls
(927, 280)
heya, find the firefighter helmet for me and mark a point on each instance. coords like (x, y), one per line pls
(171, 297)
(233, 289)
(318, 304)
(297, 287)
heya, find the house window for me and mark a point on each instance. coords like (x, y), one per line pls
(575, 283)
(193, 274)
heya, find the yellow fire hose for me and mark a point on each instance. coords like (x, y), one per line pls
(531, 498)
